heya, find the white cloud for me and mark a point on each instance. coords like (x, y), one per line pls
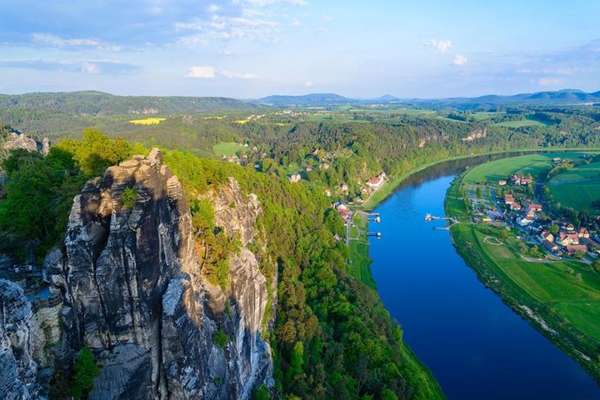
(190, 41)
(56, 41)
(309, 84)
(239, 75)
(440, 45)
(296, 23)
(320, 31)
(234, 28)
(327, 18)
(459, 60)
(549, 81)
(213, 8)
(90, 68)
(201, 72)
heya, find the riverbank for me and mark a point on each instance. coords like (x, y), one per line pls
(394, 182)
(548, 294)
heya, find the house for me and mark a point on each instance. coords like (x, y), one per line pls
(526, 181)
(344, 188)
(345, 214)
(324, 166)
(366, 190)
(295, 178)
(576, 248)
(570, 227)
(328, 192)
(557, 159)
(309, 168)
(534, 207)
(526, 221)
(508, 199)
(583, 233)
(515, 207)
(566, 239)
(516, 179)
(376, 182)
(549, 245)
(502, 182)
(546, 235)
(340, 206)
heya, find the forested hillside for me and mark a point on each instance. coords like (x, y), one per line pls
(331, 334)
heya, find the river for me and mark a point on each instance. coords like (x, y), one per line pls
(476, 347)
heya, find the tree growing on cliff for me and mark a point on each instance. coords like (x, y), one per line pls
(85, 371)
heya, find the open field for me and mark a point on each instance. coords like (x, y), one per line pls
(228, 149)
(577, 187)
(147, 121)
(529, 121)
(360, 262)
(533, 164)
(564, 295)
(577, 195)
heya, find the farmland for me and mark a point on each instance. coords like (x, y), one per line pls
(147, 121)
(578, 187)
(534, 164)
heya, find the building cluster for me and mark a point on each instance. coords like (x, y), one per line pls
(566, 240)
(343, 210)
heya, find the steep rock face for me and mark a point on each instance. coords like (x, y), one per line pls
(17, 368)
(135, 295)
(236, 214)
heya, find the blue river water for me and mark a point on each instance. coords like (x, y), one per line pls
(474, 344)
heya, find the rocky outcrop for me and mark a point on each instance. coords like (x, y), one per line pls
(17, 369)
(22, 141)
(475, 134)
(134, 293)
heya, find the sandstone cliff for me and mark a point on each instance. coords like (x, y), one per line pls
(22, 141)
(134, 293)
(17, 369)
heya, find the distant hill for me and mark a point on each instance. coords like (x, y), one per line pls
(93, 103)
(313, 99)
(566, 96)
(560, 97)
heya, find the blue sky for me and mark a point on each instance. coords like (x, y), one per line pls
(253, 48)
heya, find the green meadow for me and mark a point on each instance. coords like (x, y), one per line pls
(228, 149)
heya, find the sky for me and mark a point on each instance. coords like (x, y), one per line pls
(255, 48)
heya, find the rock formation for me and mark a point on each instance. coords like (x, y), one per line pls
(134, 293)
(17, 369)
(22, 141)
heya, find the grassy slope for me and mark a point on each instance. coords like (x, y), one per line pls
(228, 149)
(568, 306)
(569, 192)
(533, 164)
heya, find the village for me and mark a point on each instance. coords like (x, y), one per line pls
(513, 202)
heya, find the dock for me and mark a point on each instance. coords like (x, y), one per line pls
(429, 217)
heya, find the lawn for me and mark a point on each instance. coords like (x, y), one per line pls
(360, 263)
(228, 149)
